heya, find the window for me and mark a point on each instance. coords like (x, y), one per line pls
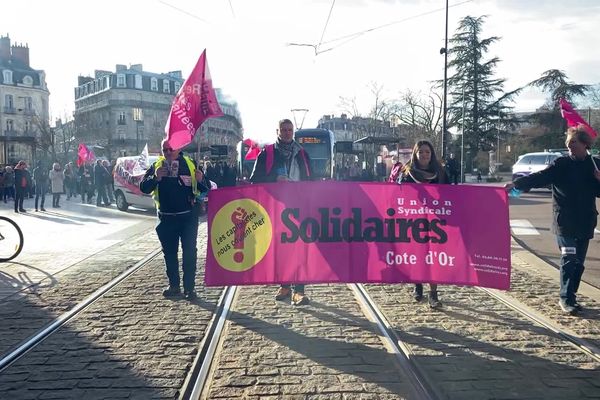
(28, 103)
(27, 126)
(8, 101)
(27, 80)
(9, 125)
(121, 80)
(154, 84)
(177, 86)
(138, 81)
(7, 76)
(121, 120)
(138, 114)
(166, 86)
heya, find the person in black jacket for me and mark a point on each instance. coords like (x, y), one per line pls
(22, 184)
(424, 167)
(285, 160)
(175, 184)
(575, 181)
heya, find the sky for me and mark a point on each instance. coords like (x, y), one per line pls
(250, 58)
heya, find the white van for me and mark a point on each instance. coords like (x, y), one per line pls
(533, 162)
(128, 174)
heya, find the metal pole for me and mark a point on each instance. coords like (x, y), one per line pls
(444, 120)
(462, 143)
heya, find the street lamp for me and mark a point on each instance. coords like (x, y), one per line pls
(444, 51)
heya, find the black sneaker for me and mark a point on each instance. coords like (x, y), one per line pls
(190, 295)
(418, 292)
(577, 306)
(172, 291)
(567, 308)
(434, 302)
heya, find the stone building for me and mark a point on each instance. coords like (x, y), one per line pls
(24, 116)
(117, 113)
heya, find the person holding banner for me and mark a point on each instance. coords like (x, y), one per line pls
(575, 181)
(175, 183)
(424, 167)
(285, 160)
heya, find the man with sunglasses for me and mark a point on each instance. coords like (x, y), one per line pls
(175, 184)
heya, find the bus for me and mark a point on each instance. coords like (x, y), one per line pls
(319, 144)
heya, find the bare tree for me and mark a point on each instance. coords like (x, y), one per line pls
(348, 106)
(421, 115)
(45, 139)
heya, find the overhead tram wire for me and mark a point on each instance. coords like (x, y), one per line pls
(325, 27)
(352, 36)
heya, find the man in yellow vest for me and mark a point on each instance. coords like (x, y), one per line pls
(175, 183)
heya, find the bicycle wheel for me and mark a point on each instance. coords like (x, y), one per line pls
(11, 239)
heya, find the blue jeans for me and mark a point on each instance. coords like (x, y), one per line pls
(171, 229)
(40, 191)
(573, 252)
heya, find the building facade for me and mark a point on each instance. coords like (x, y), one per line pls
(24, 116)
(117, 113)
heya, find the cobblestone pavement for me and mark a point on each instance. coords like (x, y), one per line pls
(133, 343)
(325, 350)
(59, 238)
(25, 312)
(476, 347)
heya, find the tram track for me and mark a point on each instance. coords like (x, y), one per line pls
(24, 347)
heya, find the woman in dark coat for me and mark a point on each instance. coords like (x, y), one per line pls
(424, 167)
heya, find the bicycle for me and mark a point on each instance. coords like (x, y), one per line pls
(11, 239)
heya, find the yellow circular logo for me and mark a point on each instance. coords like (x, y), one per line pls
(240, 234)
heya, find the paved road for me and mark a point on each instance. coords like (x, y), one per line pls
(64, 236)
(531, 222)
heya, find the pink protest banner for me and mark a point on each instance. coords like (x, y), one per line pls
(349, 232)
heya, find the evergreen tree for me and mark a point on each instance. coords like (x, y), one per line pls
(485, 102)
(556, 83)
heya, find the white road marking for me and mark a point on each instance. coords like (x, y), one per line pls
(522, 227)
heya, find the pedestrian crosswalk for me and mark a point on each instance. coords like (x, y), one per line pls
(522, 227)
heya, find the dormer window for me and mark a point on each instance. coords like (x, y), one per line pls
(121, 80)
(138, 81)
(154, 84)
(166, 86)
(8, 76)
(27, 80)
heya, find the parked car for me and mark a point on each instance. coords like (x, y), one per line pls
(533, 162)
(128, 173)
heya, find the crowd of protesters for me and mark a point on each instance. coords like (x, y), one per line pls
(88, 181)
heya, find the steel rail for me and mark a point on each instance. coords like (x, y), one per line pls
(25, 346)
(197, 378)
(423, 389)
(579, 343)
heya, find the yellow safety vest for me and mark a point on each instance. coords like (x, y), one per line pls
(192, 169)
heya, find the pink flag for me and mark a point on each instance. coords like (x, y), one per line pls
(195, 103)
(253, 149)
(84, 154)
(574, 119)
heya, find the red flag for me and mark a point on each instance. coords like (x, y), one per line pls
(195, 103)
(574, 119)
(84, 154)
(253, 149)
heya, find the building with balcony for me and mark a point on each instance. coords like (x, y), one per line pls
(117, 113)
(24, 115)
